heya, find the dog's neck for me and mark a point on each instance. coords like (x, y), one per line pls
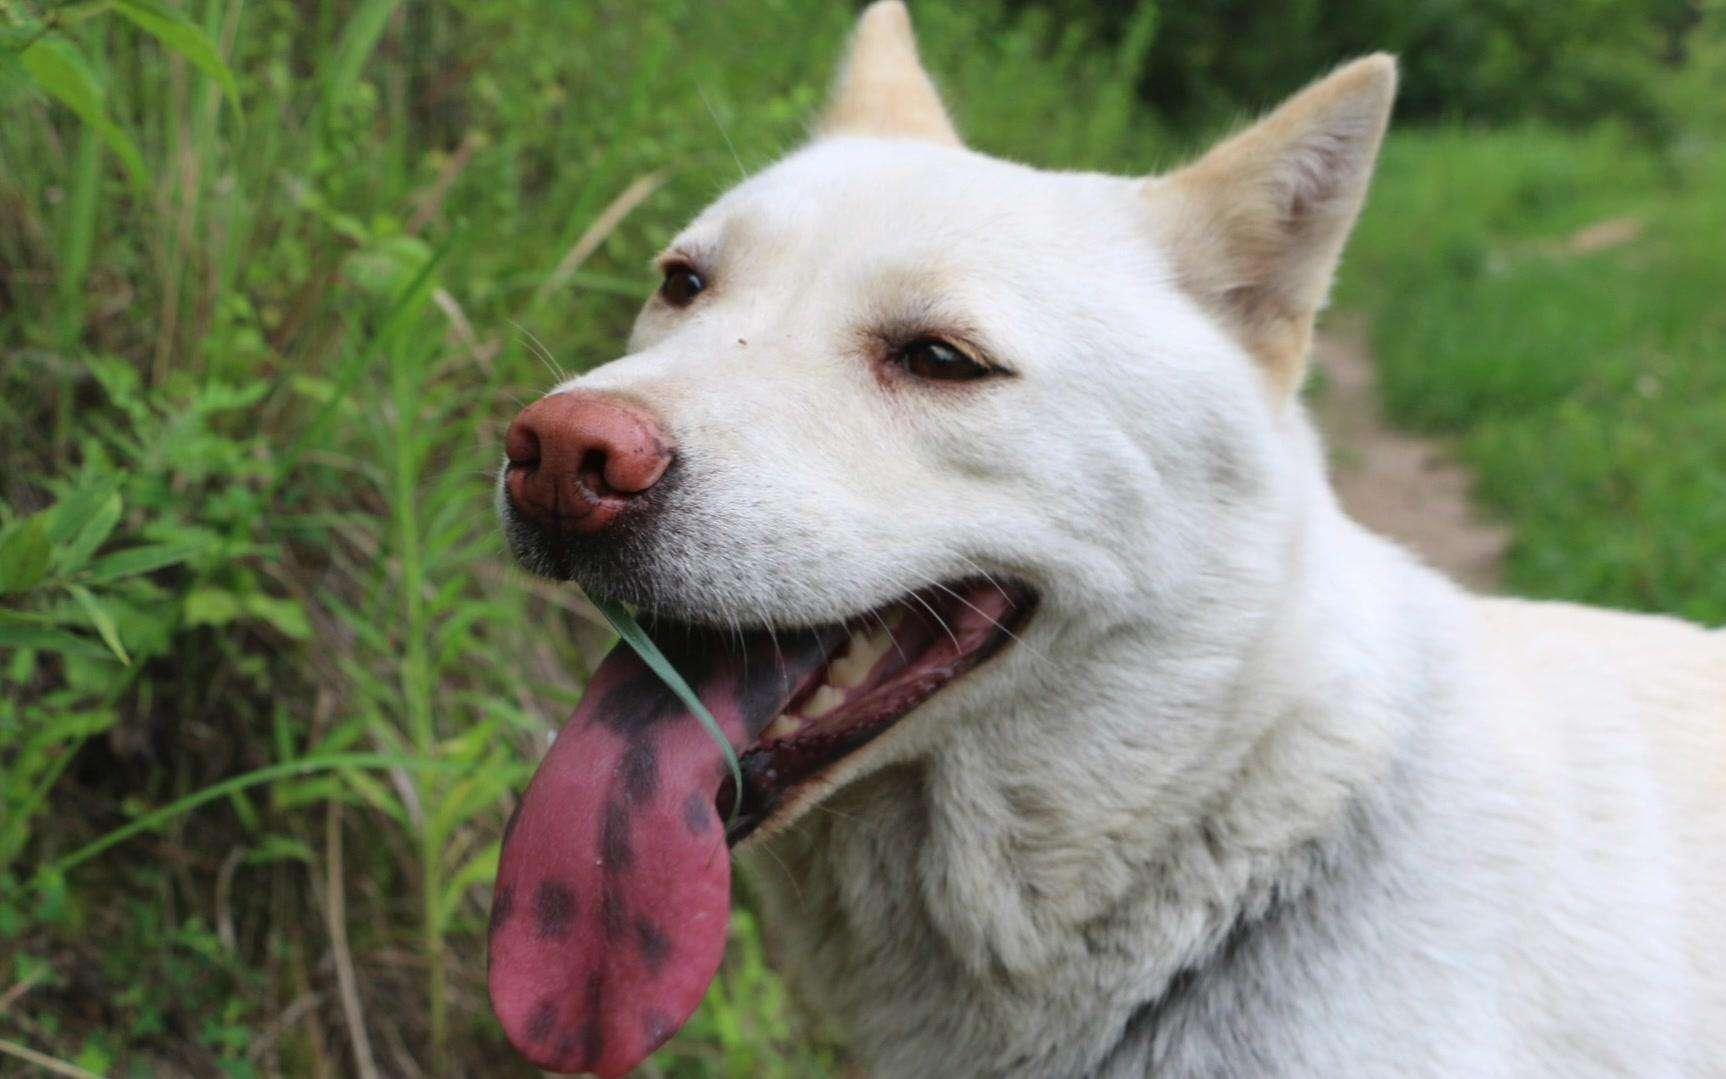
(1044, 885)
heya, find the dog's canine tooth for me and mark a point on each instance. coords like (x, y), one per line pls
(860, 657)
(849, 670)
(823, 701)
(783, 726)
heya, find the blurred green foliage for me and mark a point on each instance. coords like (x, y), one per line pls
(1476, 60)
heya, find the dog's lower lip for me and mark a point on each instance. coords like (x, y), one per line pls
(915, 647)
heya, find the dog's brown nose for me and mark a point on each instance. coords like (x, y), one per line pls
(577, 459)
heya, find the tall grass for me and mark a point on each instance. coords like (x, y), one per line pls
(269, 290)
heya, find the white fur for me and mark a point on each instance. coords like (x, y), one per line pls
(1256, 793)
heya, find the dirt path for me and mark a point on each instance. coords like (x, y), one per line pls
(1398, 485)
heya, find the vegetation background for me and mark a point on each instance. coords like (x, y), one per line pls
(274, 274)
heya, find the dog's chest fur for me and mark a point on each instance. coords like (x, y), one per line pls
(1205, 959)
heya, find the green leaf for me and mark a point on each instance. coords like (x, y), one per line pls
(78, 236)
(211, 607)
(103, 620)
(180, 34)
(280, 848)
(138, 560)
(10, 617)
(59, 69)
(304, 792)
(377, 795)
(89, 533)
(286, 615)
(383, 266)
(53, 640)
(636, 637)
(66, 518)
(24, 554)
(63, 728)
(479, 869)
(364, 27)
(94, 1059)
(244, 810)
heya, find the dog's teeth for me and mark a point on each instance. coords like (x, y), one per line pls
(823, 701)
(861, 654)
(782, 727)
(851, 668)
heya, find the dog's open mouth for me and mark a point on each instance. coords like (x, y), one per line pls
(613, 891)
(889, 662)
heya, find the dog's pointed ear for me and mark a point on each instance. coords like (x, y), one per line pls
(1255, 227)
(882, 89)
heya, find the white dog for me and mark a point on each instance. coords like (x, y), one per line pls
(1082, 733)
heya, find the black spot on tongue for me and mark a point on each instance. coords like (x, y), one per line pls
(616, 846)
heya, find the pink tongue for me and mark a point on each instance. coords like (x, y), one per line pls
(614, 884)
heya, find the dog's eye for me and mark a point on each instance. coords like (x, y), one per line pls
(930, 358)
(681, 285)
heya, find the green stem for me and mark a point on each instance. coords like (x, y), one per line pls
(416, 683)
(157, 817)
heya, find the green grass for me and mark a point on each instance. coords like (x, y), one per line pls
(275, 275)
(1586, 385)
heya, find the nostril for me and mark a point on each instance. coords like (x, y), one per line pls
(592, 472)
(521, 444)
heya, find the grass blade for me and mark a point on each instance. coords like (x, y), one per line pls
(102, 619)
(13, 635)
(636, 637)
(181, 35)
(25, 553)
(57, 66)
(134, 561)
(180, 807)
(358, 39)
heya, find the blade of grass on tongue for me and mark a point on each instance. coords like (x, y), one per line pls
(633, 635)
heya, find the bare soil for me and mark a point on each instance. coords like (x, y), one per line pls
(1403, 486)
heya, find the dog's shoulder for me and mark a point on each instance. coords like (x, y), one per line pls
(1662, 674)
(1615, 725)
(1586, 685)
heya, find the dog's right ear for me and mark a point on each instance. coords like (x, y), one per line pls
(882, 90)
(1257, 224)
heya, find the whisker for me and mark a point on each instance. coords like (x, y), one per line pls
(888, 630)
(939, 621)
(822, 807)
(995, 621)
(742, 173)
(985, 574)
(790, 877)
(537, 347)
(778, 653)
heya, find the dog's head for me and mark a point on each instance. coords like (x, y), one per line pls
(899, 407)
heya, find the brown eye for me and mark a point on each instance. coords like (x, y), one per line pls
(681, 285)
(933, 359)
